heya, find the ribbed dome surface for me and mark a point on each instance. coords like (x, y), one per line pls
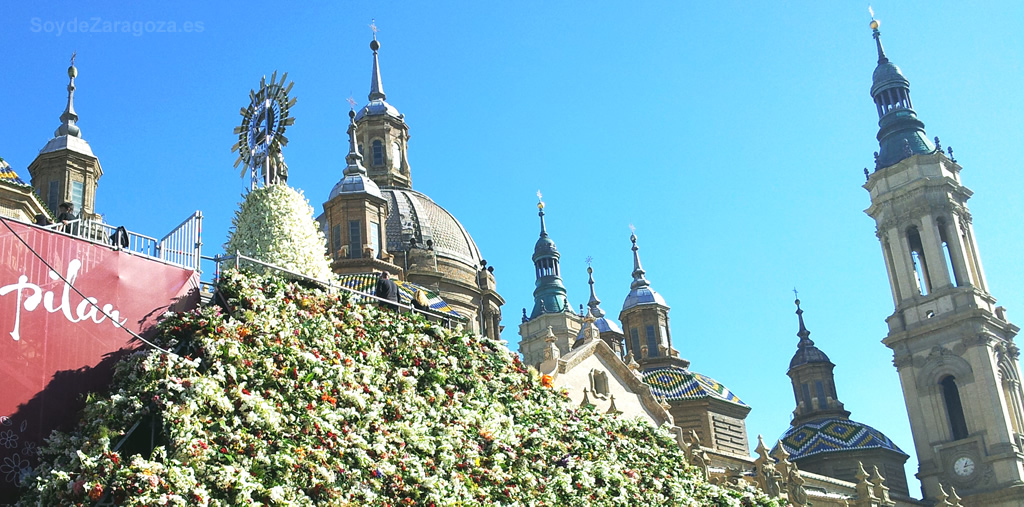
(414, 215)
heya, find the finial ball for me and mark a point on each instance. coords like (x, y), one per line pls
(72, 72)
(590, 270)
(875, 24)
(352, 114)
(374, 45)
(540, 205)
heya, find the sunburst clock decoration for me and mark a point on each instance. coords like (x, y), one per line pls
(261, 134)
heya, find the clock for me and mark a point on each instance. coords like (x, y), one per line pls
(963, 466)
(261, 134)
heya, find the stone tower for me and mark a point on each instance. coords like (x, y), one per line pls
(552, 312)
(66, 169)
(822, 438)
(354, 217)
(952, 346)
(644, 318)
(383, 134)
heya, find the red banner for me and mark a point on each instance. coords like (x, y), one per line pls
(55, 345)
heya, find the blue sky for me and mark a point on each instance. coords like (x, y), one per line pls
(733, 135)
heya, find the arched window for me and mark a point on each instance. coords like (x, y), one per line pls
(378, 152)
(920, 264)
(396, 156)
(954, 409)
(652, 342)
(947, 252)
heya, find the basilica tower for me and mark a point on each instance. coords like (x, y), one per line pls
(66, 169)
(952, 346)
(552, 315)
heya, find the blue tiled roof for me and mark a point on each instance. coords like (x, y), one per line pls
(675, 383)
(8, 174)
(367, 282)
(833, 435)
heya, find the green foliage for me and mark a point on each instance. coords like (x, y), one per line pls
(275, 225)
(299, 397)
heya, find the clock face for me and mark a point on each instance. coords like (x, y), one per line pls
(963, 466)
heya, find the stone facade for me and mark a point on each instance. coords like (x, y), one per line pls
(952, 346)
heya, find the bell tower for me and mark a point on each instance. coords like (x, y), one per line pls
(552, 320)
(952, 346)
(383, 134)
(66, 169)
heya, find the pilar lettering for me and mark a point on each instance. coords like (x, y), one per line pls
(29, 295)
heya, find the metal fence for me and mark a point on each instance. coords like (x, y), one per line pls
(181, 247)
(238, 260)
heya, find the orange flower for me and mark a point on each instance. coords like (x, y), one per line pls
(546, 381)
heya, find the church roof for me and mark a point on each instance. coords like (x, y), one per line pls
(367, 282)
(7, 174)
(413, 215)
(674, 383)
(833, 435)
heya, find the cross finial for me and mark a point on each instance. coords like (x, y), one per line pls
(539, 195)
(351, 102)
(589, 260)
(632, 228)
(871, 12)
(73, 55)
(796, 295)
(373, 27)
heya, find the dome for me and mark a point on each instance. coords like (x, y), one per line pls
(377, 107)
(833, 435)
(354, 184)
(412, 215)
(885, 74)
(545, 246)
(810, 354)
(675, 383)
(603, 325)
(642, 295)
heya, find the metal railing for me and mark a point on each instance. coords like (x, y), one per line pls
(181, 247)
(446, 320)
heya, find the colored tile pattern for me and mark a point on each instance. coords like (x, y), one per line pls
(367, 282)
(8, 174)
(680, 384)
(833, 435)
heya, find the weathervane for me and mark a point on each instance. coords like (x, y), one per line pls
(261, 134)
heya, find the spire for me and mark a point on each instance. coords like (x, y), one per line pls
(354, 159)
(878, 39)
(69, 117)
(900, 134)
(355, 179)
(640, 290)
(540, 212)
(594, 303)
(638, 271)
(376, 86)
(803, 333)
(806, 352)
(549, 295)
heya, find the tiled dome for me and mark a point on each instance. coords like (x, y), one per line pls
(833, 435)
(674, 383)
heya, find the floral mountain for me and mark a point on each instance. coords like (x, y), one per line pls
(292, 395)
(275, 224)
